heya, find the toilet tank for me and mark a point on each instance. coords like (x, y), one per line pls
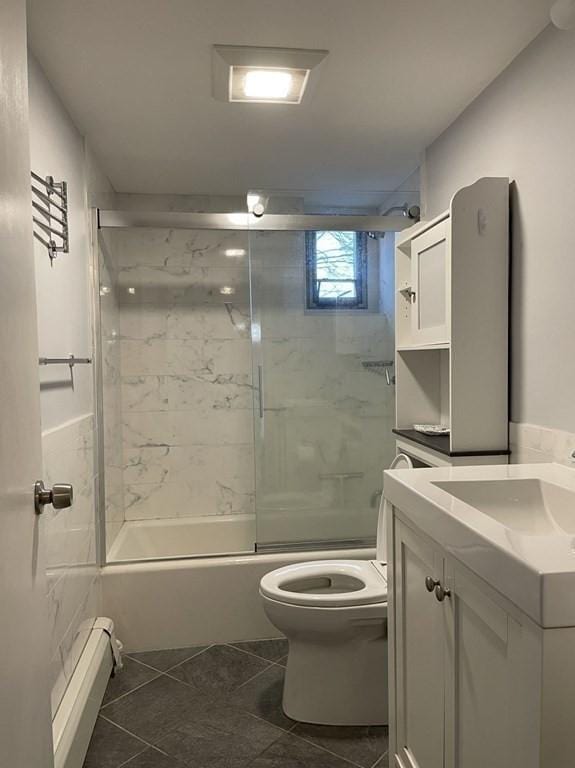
(401, 461)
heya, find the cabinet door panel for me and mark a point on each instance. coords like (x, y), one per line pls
(480, 723)
(419, 649)
(430, 278)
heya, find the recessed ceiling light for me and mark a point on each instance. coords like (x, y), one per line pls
(235, 253)
(263, 75)
(267, 83)
(279, 86)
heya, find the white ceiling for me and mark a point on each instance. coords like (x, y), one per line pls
(136, 77)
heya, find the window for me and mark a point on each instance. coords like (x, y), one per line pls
(336, 271)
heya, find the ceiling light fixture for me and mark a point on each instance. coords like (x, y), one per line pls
(242, 73)
(235, 253)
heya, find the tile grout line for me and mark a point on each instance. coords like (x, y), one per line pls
(255, 655)
(380, 758)
(329, 752)
(132, 690)
(133, 735)
(163, 671)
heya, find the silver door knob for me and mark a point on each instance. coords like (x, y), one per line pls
(60, 496)
(441, 593)
(430, 583)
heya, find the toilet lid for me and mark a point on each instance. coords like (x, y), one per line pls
(327, 584)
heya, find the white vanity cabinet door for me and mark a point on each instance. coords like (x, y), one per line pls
(430, 271)
(419, 654)
(491, 680)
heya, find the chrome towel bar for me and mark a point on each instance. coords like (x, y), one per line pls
(71, 360)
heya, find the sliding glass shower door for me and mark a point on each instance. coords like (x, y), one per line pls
(322, 334)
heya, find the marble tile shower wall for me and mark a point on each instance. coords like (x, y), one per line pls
(72, 573)
(111, 389)
(185, 373)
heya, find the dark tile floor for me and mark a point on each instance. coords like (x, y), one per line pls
(217, 706)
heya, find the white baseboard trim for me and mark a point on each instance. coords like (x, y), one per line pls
(74, 722)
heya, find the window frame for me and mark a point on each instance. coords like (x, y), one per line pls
(313, 300)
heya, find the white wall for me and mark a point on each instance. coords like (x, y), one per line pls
(68, 424)
(523, 126)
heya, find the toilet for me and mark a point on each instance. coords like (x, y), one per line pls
(334, 615)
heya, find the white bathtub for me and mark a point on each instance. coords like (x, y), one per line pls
(175, 603)
(184, 537)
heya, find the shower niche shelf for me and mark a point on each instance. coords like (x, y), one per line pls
(452, 326)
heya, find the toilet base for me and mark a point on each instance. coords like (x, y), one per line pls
(342, 684)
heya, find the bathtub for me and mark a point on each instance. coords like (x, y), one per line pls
(184, 537)
(174, 603)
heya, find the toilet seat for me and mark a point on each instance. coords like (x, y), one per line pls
(327, 583)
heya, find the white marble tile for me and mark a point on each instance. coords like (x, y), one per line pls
(144, 393)
(180, 247)
(164, 286)
(209, 321)
(165, 429)
(217, 356)
(207, 392)
(211, 480)
(144, 322)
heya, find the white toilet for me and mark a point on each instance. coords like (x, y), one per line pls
(334, 615)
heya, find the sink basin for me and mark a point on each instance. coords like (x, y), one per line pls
(530, 506)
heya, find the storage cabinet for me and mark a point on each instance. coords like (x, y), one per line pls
(430, 281)
(452, 323)
(468, 669)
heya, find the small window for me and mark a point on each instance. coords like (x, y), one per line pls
(336, 272)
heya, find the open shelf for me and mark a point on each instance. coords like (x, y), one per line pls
(440, 443)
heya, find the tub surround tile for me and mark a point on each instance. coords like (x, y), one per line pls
(187, 375)
(165, 660)
(70, 536)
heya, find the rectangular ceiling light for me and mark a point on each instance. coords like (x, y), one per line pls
(276, 86)
(263, 75)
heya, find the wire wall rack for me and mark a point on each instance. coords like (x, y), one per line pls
(50, 214)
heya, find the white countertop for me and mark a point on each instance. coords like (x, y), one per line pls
(535, 570)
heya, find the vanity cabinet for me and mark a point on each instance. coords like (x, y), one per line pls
(466, 667)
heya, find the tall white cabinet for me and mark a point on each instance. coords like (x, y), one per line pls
(452, 277)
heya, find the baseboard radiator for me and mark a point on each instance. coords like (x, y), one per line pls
(76, 716)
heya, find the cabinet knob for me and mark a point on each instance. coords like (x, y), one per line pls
(431, 583)
(441, 593)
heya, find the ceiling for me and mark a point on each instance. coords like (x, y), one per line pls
(136, 77)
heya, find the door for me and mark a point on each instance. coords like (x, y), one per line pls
(419, 653)
(491, 681)
(25, 721)
(321, 399)
(430, 282)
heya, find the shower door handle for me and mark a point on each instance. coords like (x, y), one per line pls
(261, 389)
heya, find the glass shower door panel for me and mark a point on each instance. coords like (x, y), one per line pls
(322, 417)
